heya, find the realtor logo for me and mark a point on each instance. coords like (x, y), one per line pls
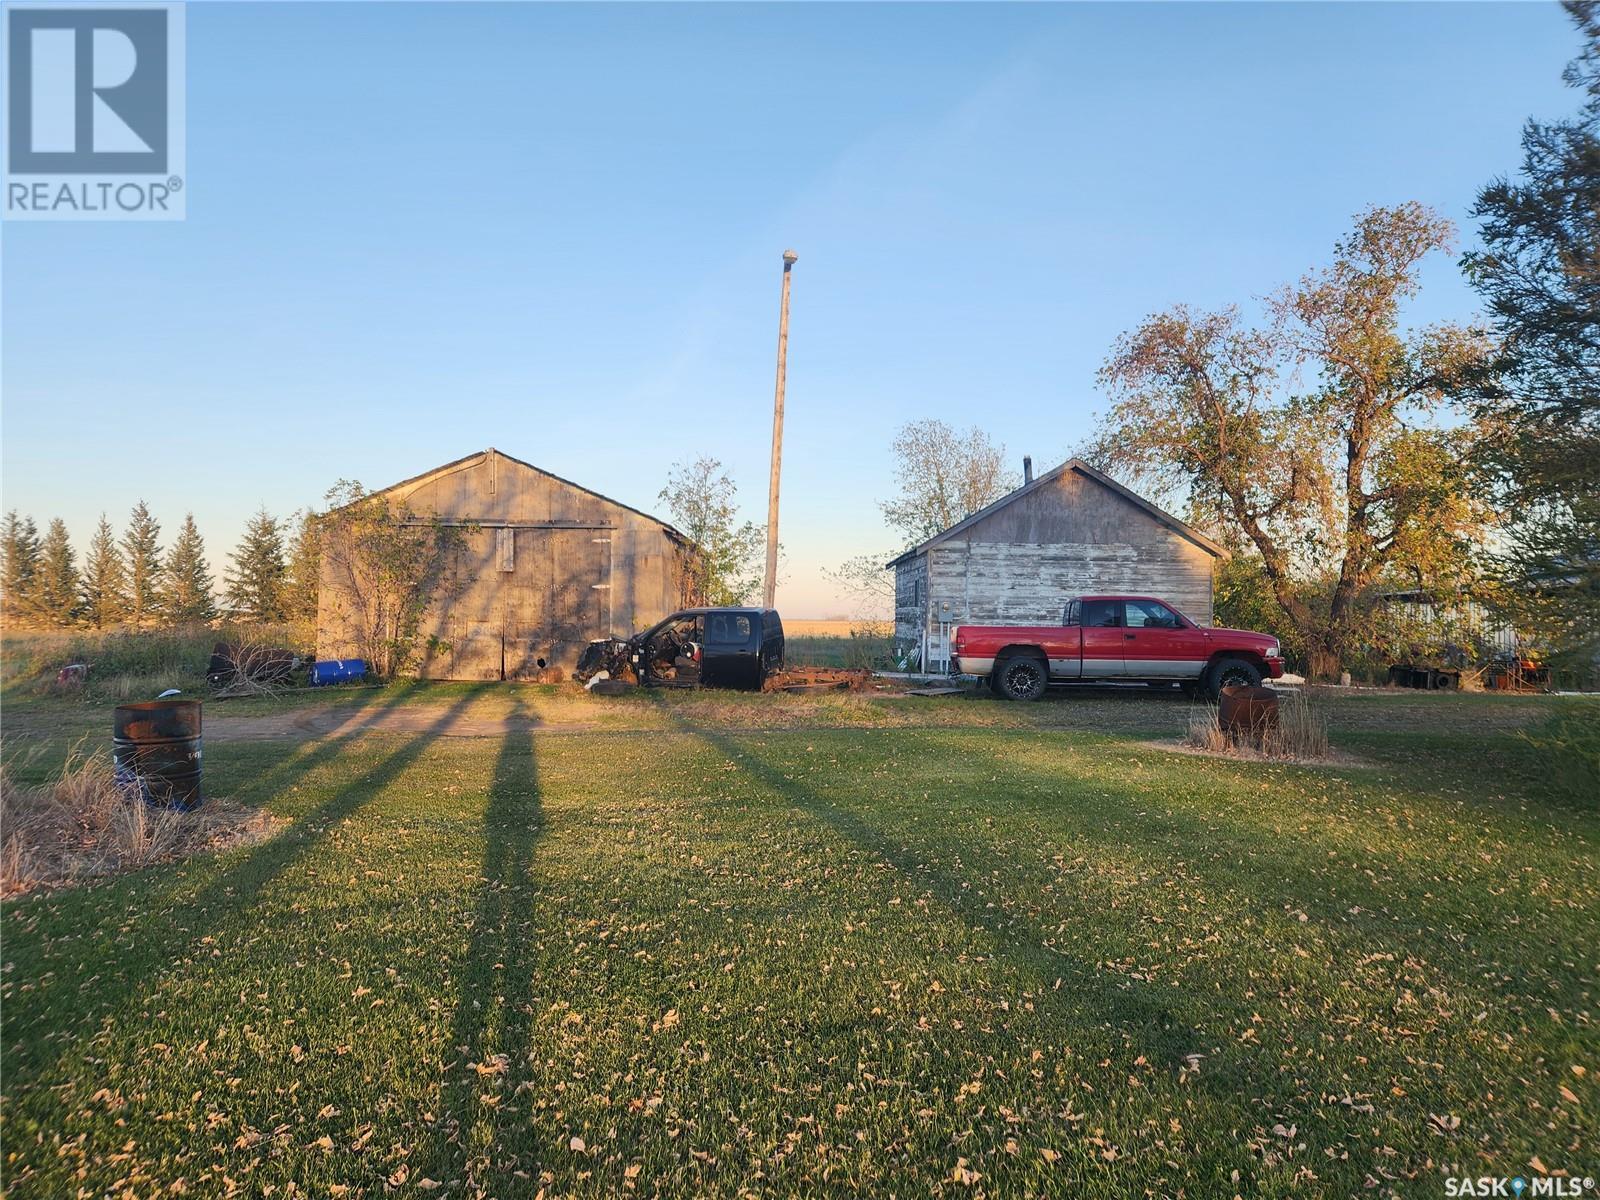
(94, 112)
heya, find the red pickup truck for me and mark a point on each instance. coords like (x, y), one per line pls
(1115, 639)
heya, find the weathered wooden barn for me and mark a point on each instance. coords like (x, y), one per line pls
(543, 566)
(1072, 531)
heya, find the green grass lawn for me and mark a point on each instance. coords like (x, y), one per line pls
(882, 948)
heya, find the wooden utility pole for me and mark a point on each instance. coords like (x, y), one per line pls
(770, 591)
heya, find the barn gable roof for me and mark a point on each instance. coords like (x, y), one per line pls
(1182, 529)
(478, 457)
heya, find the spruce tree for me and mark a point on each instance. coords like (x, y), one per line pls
(256, 576)
(105, 579)
(141, 548)
(305, 565)
(1539, 272)
(20, 543)
(187, 591)
(57, 593)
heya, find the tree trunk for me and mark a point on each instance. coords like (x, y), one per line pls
(1322, 664)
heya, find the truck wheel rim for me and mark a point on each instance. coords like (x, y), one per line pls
(1020, 678)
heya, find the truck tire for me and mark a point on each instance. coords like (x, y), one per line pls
(1231, 672)
(1021, 677)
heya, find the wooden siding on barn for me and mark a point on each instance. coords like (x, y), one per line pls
(1027, 583)
(1069, 534)
(545, 567)
(911, 598)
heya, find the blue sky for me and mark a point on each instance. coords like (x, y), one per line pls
(415, 231)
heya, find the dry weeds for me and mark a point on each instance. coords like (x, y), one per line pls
(82, 825)
(256, 668)
(1301, 734)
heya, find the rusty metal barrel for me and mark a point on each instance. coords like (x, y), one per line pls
(1247, 710)
(155, 746)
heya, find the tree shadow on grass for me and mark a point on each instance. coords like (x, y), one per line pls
(129, 958)
(490, 1035)
(1321, 860)
(1094, 997)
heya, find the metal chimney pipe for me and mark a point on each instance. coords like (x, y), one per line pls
(1027, 469)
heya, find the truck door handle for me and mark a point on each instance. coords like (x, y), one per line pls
(1129, 636)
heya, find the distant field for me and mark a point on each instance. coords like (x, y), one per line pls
(832, 627)
(838, 642)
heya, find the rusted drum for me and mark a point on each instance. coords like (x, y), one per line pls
(1251, 710)
(155, 746)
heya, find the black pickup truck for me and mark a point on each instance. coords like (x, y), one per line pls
(713, 647)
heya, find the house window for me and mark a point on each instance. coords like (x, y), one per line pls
(916, 593)
(506, 548)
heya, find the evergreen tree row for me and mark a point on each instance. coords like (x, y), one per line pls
(132, 580)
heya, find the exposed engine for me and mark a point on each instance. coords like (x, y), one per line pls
(611, 656)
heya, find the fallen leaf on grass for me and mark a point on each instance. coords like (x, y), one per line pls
(493, 1066)
(961, 1173)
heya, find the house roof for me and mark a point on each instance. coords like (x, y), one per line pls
(1072, 464)
(480, 456)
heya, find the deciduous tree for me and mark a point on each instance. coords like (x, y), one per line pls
(1312, 440)
(942, 477)
(726, 566)
(868, 584)
(387, 567)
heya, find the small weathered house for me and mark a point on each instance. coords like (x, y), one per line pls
(1072, 531)
(543, 566)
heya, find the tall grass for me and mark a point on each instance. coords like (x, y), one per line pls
(126, 664)
(83, 824)
(1301, 731)
(866, 646)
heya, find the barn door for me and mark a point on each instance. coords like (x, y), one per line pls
(556, 598)
(461, 639)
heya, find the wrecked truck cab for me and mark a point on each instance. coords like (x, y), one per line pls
(713, 647)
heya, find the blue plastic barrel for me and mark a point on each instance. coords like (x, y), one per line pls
(337, 670)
